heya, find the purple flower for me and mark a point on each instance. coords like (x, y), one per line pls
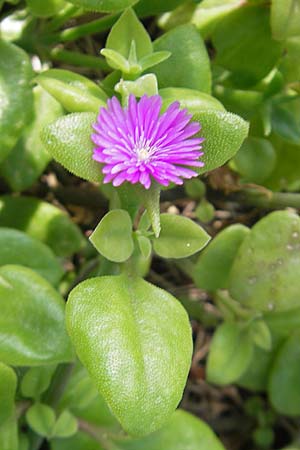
(137, 144)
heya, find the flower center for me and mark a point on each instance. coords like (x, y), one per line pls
(143, 150)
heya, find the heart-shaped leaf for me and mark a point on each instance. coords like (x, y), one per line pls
(32, 329)
(42, 221)
(179, 237)
(17, 247)
(15, 94)
(266, 270)
(68, 140)
(113, 236)
(135, 341)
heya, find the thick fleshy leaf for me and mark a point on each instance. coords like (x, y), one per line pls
(80, 441)
(15, 95)
(104, 5)
(256, 53)
(285, 18)
(256, 376)
(32, 329)
(285, 119)
(211, 271)
(182, 432)
(224, 133)
(42, 221)
(266, 269)
(45, 9)
(36, 380)
(229, 355)
(8, 386)
(188, 65)
(283, 324)
(68, 140)
(179, 237)
(153, 7)
(127, 29)
(113, 236)
(65, 426)
(74, 92)
(41, 418)
(290, 63)
(9, 434)
(29, 158)
(17, 247)
(141, 366)
(255, 160)
(284, 388)
(190, 98)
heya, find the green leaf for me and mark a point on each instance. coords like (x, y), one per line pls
(285, 119)
(211, 271)
(29, 158)
(8, 386)
(210, 12)
(153, 7)
(113, 236)
(42, 221)
(283, 324)
(65, 426)
(179, 237)
(141, 369)
(284, 388)
(290, 63)
(17, 247)
(41, 418)
(154, 58)
(261, 334)
(9, 434)
(266, 269)
(126, 30)
(224, 133)
(285, 18)
(255, 160)
(104, 5)
(205, 211)
(32, 329)
(15, 95)
(144, 246)
(256, 376)
(188, 65)
(36, 380)
(68, 140)
(75, 92)
(147, 84)
(80, 441)
(230, 354)
(256, 53)
(242, 102)
(46, 9)
(183, 431)
(190, 98)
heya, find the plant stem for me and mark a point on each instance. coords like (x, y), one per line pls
(64, 15)
(264, 198)
(99, 434)
(79, 59)
(71, 34)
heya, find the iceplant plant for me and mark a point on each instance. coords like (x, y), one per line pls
(133, 337)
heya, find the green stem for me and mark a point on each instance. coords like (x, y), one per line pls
(64, 15)
(86, 29)
(79, 59)
(264, 198)
(223, 299)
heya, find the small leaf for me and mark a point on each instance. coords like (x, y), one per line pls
(141, 366)
(41, 418)
(29, 158)
(230, 354)
(65, 426)
(205, 211)
(182, 432)
(285, 119)
(32, 329)
(42, 221)
(75, 92)
(116, 60)
(17, 247)
(126, 30)
(261, 334)
(224, 133)
(113, 236)
(188, 65)
(8, 386)
(68, 140)
(36, 380)
(104, 5)
(179, 237)
(255, 160)
(266, 269)
(211, 271)
(284, 388)
(154, 58)
(144, 246)
(147, 84)
(15, 94)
